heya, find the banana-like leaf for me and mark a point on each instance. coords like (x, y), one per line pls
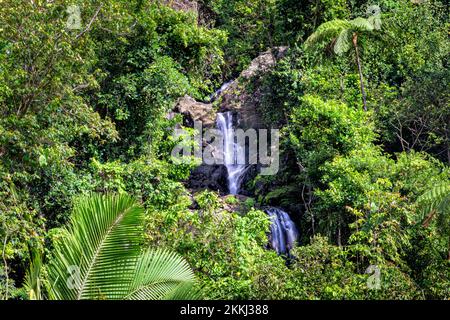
(100, 251)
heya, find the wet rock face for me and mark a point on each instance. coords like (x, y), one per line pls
(244, 94)
(193, 110)
(213, 177)
(264, 62)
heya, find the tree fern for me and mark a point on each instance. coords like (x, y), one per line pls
(344, 34)
(362, 25)
(326, 31)
(436, 201)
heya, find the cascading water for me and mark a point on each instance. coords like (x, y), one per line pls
(219, 91)
(231, 152)
(283, 232)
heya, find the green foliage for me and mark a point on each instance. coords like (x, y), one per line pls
(33, 280)
(249, 203)
(225, 249)
(231, 200)
(250, 25)
(436, 202)
(298, 19)
(429, 258)
(320, 130)
(164, 56)
(90, 110)
(207, 201)
(436, 199)
(350, 190)
(62, 133)
(100, 256)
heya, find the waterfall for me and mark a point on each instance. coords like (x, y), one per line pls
(219, 91)
(283, 232)
(231, 151)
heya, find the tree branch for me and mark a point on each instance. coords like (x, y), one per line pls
(90, 23)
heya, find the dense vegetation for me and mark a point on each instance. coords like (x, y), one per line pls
(365, 147)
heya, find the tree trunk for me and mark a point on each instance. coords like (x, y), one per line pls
(361, 80)
(448, 258)
(448, 146)
(339, 240)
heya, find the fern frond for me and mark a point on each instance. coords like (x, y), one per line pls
(326, 31)
(343, 42)
(435, 195)
(437, 199)
(362, 24)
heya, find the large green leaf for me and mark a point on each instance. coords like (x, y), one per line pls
(99, 253)
(161, 275)
(100, 256)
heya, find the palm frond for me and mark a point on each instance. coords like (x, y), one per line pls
(33, 278)
(100, 250)
(160, 274)
(100, 256)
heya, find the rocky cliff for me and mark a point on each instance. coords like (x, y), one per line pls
(242, 96)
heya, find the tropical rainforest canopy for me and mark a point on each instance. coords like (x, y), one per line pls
(93, 206)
